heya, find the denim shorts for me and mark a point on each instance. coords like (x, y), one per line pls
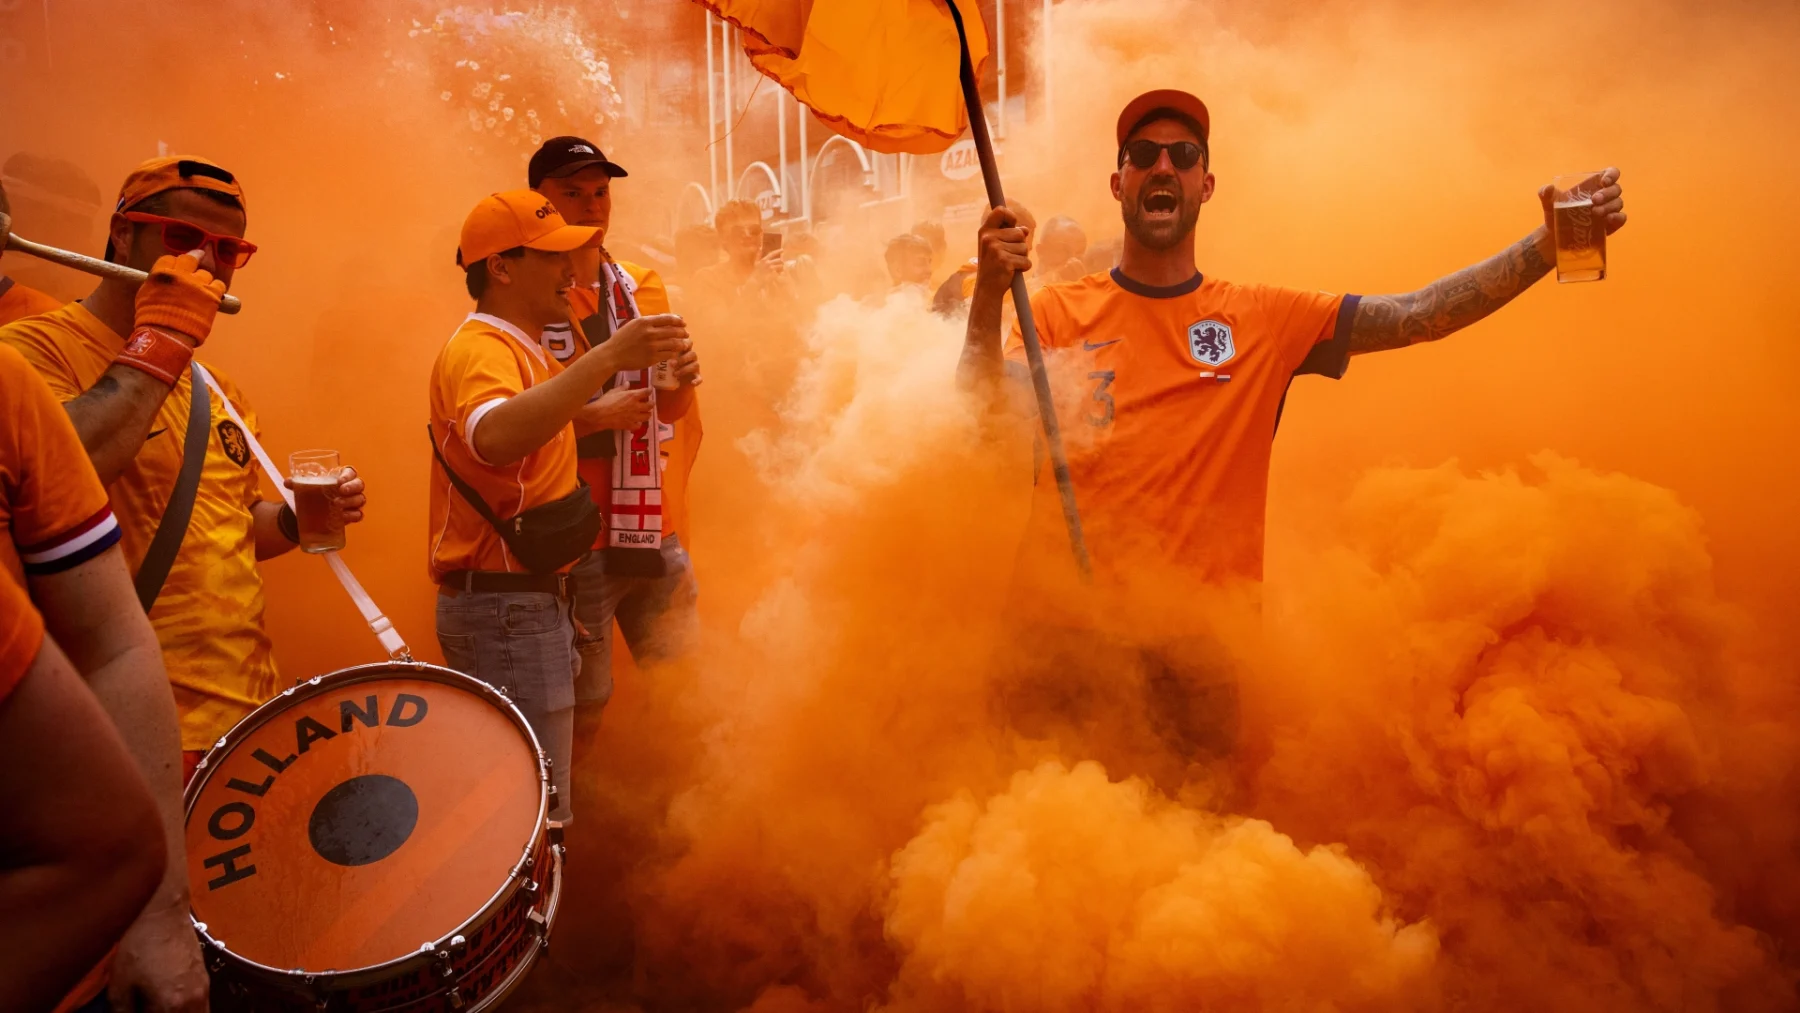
(523, 644)
(656, 615)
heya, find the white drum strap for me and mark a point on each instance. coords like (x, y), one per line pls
(379, 624)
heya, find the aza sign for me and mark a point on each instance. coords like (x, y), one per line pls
(961, 161)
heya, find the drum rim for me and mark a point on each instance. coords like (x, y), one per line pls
(327, 682)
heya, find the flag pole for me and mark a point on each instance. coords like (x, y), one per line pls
(1034, 351)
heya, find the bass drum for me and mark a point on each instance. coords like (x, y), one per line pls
(375, 839)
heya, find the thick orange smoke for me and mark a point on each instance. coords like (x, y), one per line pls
(1520, 714)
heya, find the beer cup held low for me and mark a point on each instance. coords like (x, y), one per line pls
(1580, 235)
(315, 476)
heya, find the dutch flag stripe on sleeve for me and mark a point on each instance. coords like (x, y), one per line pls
(73, 547)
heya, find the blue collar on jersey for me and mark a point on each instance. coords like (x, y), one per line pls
(1157, 291)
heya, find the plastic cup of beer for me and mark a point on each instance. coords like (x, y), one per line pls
(1580, 234)
(315, 474)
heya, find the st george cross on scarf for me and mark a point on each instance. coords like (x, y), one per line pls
(634, 518)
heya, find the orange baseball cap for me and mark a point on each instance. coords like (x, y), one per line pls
(1165, 98)
(176, 172)
(519, 218)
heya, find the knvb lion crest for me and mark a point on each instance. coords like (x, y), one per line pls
(232, 439)
(1211, 343)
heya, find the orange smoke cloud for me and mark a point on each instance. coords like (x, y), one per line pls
(1519, 731)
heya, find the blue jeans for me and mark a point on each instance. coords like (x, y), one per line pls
(523, 644)
(656, 614)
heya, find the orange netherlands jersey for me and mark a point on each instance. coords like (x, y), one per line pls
(18, 301)
(485, 362)
(1168, 400)
(52, 508)
(680, 445)
(209, 616)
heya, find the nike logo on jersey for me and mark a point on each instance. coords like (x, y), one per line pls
(154, 433)
(1094, 346)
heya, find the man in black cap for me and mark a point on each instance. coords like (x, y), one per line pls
(636, 443)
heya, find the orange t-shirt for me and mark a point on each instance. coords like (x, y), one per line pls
(18, 301)
(1168, 400)
(679, 441)
(52, 506)
(485, 362)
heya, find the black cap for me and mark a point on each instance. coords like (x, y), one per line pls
(562, 156)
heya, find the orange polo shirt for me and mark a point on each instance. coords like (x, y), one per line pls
(1168, 400)
(17, 301)
(485, 362)
(209, 616)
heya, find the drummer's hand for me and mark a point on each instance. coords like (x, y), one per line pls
(180, 296)
(158, 967)
(349, 495)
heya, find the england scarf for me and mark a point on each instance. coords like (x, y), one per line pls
(634, 515)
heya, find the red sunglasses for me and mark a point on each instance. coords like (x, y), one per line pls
(185, 237)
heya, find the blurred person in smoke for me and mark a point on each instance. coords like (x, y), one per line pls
(509, 514)
(182, 220)
(1059, 251)
(639, 575)
(61, 547)
(1181, 380)
(932, 232)
(954, 294)
(53, 202)
(747, 272)
(909, 264)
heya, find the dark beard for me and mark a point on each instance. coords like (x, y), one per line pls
(1157, 237)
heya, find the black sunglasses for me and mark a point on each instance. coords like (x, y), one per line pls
(1183, 155)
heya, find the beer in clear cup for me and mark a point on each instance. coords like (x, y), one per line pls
(1579, 233)
(315, 475)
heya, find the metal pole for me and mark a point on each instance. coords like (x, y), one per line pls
(805, 168)
(730, 110)
(1000, 48)
(781, 189)
(1034, 352)
(712, 109)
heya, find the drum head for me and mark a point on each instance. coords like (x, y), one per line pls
(366, 814)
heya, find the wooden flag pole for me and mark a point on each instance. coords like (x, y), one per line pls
(1034, 351)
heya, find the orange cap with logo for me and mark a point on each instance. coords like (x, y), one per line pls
(519, 218)
(1164, 98)
(176, 172)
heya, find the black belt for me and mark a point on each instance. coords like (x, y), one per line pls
(561, 585)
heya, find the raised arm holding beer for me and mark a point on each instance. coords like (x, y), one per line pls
(1182, 378)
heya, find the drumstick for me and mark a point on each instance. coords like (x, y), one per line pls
(80, 262)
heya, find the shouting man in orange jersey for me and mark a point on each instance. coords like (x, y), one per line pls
(1181, 380)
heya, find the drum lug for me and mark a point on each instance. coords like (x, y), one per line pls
(556, 827)
(454, 998)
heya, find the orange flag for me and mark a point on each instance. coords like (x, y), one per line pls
(884, 73)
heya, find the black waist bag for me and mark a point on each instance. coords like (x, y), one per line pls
(545, 538)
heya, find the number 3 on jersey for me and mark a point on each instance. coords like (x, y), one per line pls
(1100, 414)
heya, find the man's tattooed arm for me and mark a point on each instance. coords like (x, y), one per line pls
(1452, 302)
(114, 416)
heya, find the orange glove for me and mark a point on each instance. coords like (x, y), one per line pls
(179, 296)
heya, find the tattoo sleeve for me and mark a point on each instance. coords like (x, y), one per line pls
(1452, 302)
